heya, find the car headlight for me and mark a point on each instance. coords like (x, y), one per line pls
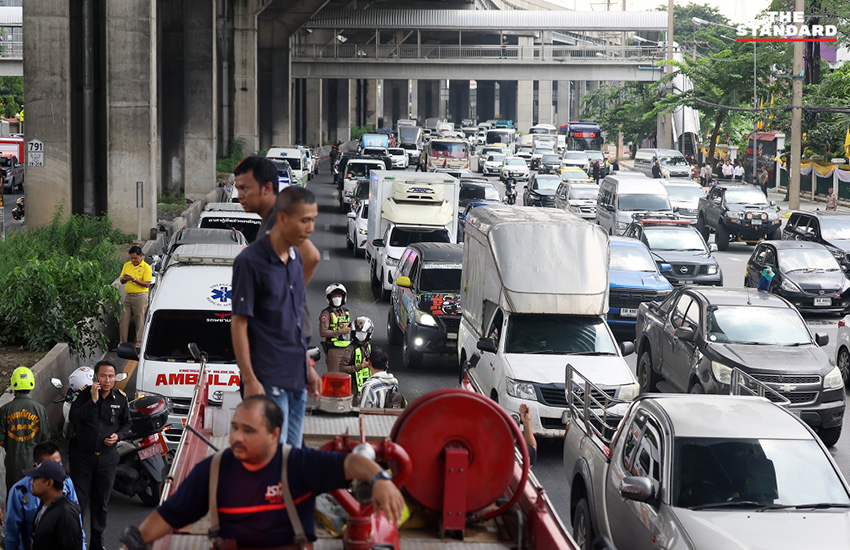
(722, 373)
(788, 286)
(362, 231)
(520, 390)
(838, 256)
(712, 270)
(734, 215)
(665, 171)
(629, 392)
(392, 262)
(833, 380)
(424, 319)
(622, 225)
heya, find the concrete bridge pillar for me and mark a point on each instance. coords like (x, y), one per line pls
(486, 101)
(544, 102)
(459, 100)
(563, 102)
(579, 90)
(313, 111)
(280, 93)
(444, 103)
(364, 102)
(339, 110)
(394, 102)
(508, 93)
(413, 104)
(245, 121)
(524, 105)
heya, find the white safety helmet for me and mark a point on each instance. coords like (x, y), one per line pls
(80, 378)
(336, 288)
(363, 326)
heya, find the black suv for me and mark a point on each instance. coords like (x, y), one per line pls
(737, 213)
(678, 243)
(831, 229)
(691, 342)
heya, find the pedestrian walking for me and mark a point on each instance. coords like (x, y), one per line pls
(136, 276)
(269, 296)
(23, 425)
(335, 326)
(22, 505)
(705, 177)
(763, 179)
(254, 507)
(832, 200)
(57, 523)
(377, 388)
(100, 417)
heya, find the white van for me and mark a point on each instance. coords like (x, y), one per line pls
(230, 215)
(192, 304)
(622, 196)
(298, 162)
(673, 163)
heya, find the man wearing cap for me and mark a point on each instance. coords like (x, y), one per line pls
(57, 522)
(23, 425)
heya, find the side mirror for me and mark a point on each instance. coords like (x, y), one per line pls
(609, 207)
(379, 243)
(712, 247)
(314, 353)
(666, 268)
(126, 350)
(403, 282)
(351, 215)
(636, 488)
(56, 383)
(821, 339)
(686, 334)
(627, 348)
(772, 203)
(195, 351)
(487, 344)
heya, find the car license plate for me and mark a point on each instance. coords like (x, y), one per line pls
(148, 452)
(451, 336)
(624, 312)
(756, 222)
(823, 301)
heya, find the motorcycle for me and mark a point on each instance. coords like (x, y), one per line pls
(18, 211)
(510, 191)
(143, 456)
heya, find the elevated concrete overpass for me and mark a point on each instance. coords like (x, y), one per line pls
(11, 41)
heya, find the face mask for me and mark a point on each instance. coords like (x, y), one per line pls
(361, 336)
(336, 301)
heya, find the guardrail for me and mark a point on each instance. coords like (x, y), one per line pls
(11, 49)
(473, 52)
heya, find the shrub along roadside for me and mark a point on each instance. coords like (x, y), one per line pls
(57, 282)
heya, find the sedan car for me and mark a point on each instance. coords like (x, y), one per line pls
(399, 157)
(514, 167)
(684, 196)
(805, 273)
(540, 191)
(831, 229)
(572, 173)
(493, 164)
(634, 278)
(538, 154)
(549, 164)
(578, 159)
(485, 153)
(524, 152)
(578, 198)
(679, 244)
(355, 236)
(598, 156)
(472, 191)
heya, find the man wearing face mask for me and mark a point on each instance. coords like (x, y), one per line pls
(335, 326)
(355, 360)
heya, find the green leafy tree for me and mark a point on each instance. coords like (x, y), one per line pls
(623, 109)
(11, 95)
(697, 39)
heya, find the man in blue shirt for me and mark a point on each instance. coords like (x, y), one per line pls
(267, 326)
(249, 499)
(22, 505)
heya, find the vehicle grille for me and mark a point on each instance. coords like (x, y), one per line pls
(682, 270)
(173, 435)
(800, 398)
(687, 211)
(181, 405)
(588, 209)
(452, 324)
(787, 378)
(553, 395)
(630, 298)
(552, 423)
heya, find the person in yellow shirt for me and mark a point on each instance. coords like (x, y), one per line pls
(136, 276)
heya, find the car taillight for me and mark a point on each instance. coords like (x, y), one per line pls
(336, 384)
(149, 440)
(841, 323)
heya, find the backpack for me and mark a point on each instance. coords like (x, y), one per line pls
(394, 399)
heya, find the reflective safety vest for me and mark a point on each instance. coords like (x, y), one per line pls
(361, 375)
(335, 323)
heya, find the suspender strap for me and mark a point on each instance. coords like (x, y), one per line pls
(215, 467)
(291, 511)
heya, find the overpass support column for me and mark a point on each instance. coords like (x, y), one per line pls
(486, 101)
(132, 135)
(524, 105)
(411, 103)
(339, 110)
(280, 94)
(444, 100)
(563, 102)
(459, 106)
(544, 102)
(245, 125)
(578, 94)
(314, 116)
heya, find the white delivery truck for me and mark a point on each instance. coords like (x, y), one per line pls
(534, 291)
(410, 139)
(192, 303)
(407, 208)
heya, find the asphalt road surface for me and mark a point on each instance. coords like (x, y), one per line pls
(339, 265)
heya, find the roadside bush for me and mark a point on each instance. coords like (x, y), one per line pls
(357, 131)
(57, 282)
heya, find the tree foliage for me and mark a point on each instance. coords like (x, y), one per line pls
(623, 109)
(11, 95)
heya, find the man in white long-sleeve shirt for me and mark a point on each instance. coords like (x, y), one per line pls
(378, 386)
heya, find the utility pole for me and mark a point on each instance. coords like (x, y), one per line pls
(796, 120)
(668, 118)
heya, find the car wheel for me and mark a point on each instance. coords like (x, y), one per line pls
(697, 389)
(393, 332)
(373, 276)
(385, 294)
(722, 237)
(582, 529)
(348, 244)
(844, 363)
(829, 436)
(647, 378)
(409, 356)
(774, 235)
(702, 228)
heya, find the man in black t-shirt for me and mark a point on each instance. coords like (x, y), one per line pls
(250, 503)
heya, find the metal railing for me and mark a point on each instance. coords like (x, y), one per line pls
(742, 383)
(11, 50)
(474, 52)
(588, 403)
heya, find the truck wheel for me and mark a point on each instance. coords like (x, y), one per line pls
(393, 332)
(844, 363)
(647, 378)
(829, 436)
(409, 356)
(702, 228)
(582, 529)
(722, 237)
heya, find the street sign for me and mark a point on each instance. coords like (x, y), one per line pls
(35, 153)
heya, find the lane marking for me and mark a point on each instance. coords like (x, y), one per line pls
(734, 259)
(326, 255)
(129, 368)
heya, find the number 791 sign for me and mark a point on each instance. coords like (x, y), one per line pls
(35, 153)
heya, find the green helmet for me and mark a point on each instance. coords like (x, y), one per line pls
(23, 379)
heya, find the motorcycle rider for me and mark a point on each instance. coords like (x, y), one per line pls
(334, 326)
(510, 190)
(18, 211)
(355, 359)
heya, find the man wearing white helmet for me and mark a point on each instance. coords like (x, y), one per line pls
(355, 360)
(335, 326)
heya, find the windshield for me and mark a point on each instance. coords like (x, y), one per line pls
(672, 161)
(440, 279)
(294, 163)
(411, 146)
(753, 324)
(524, 149)
(498, 137)
(361, 170)
(575, 156)
(171, 330)
(249, 227)
(397, 151)
(282, 167)
(595, 155)
(449, 149)
(496, 158)
(491, 151)
(513, 161)
(685, 193)
(573, 175)
(364, 213)
(835, 229)
(745, 196)
(362, 191)
(403, 237)
(547, 183)
(763, 471)
(551, 159)
(631, 258)
(558, 334)
(637, 203)
(478, 192)
(674, 239)
(807, 259)
(583, 193)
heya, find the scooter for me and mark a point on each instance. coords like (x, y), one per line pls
(510, 191)
(143, 456)
(18, 211)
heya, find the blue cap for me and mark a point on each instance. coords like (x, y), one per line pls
(48, 470)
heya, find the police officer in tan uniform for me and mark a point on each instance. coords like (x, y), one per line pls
(334, 326)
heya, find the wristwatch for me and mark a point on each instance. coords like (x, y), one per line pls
(383, 474)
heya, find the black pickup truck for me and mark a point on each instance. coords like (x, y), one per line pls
(737, 213)
(692, 341)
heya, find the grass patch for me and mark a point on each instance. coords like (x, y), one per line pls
(170, 207)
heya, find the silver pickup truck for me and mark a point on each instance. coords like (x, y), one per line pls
(678, 471)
